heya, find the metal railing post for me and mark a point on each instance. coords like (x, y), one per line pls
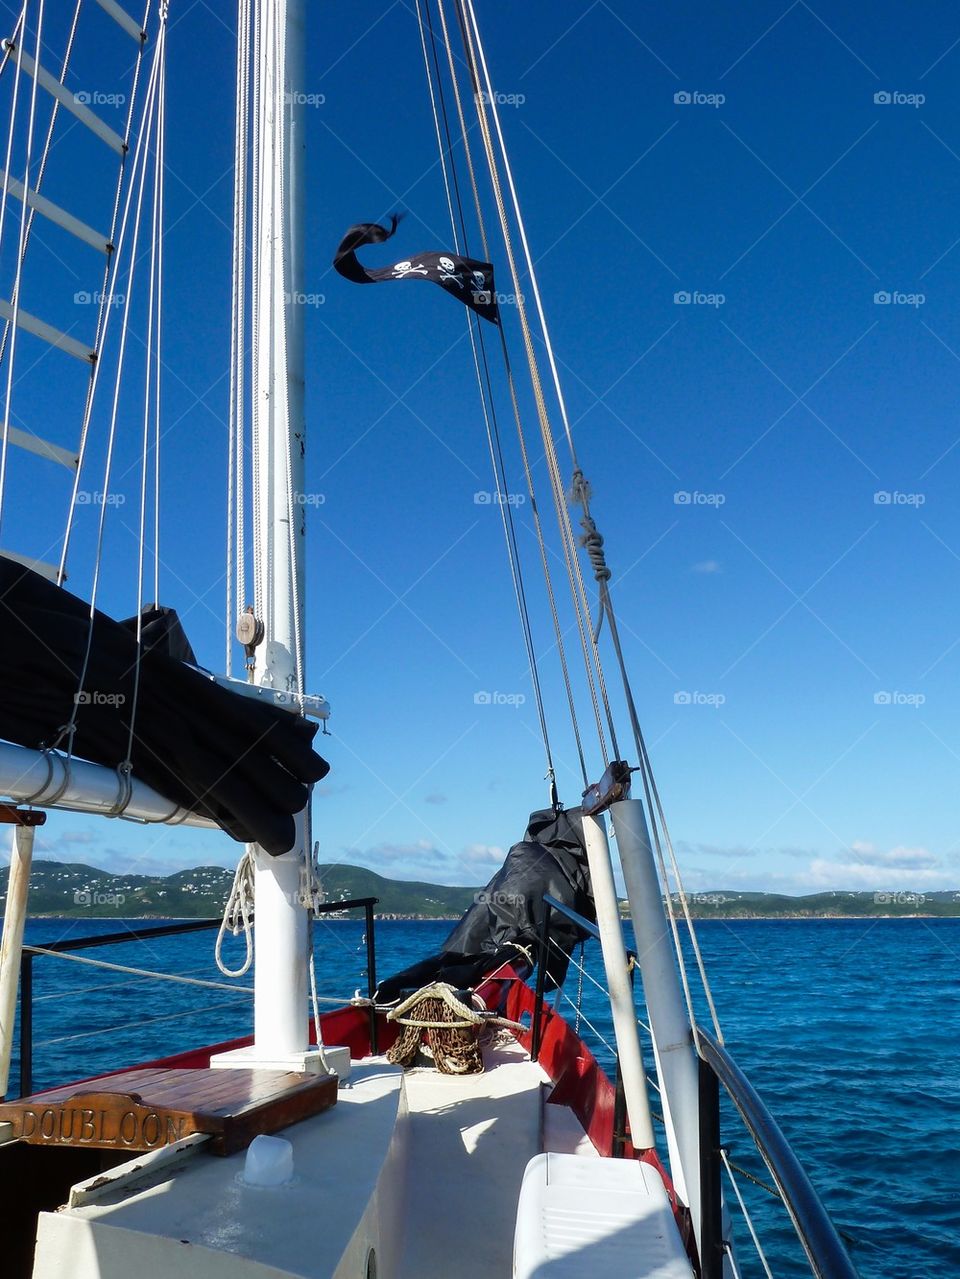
(619, 1142)
(711, 1199)
(26, 1023)
(166, 930)
(371, 976)
(544, 941)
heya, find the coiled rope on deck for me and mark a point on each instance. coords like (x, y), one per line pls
(436, 1016)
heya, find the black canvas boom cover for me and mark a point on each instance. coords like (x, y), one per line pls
(246, 765)
(550, 859)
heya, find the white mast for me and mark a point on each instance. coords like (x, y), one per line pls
(622, 1008)
(670, 1027)
(280, 999)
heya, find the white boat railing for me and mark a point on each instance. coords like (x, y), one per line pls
(66, 948)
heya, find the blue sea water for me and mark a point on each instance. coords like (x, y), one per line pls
(848, 1029)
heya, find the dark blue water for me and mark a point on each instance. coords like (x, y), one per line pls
(848, 1029)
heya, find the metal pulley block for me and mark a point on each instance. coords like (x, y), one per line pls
(612, 786)
(250, 633)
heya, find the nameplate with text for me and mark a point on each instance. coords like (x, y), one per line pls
(105, 1121)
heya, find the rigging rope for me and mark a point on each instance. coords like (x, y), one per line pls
(235, 483)
(581, 606)
(138, 185)
(151, 397)
(238, 914)
(161, 153)
(541, 542)
(256, 219)
(24, 218)
(746, 1215)
(42, 167)
(104, 309)
(488, 405)
(295, 509)
(138, 972)
(592, 540)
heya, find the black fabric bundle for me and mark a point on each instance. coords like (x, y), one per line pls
(466, 279)
(245, 764)
(550, 859)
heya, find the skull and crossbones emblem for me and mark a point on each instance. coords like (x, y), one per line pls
(481, 294)
(403, 269)
(448, 271)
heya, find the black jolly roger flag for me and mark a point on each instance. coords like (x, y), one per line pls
(469, 281)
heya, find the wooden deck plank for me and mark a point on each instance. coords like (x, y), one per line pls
(145, 1109)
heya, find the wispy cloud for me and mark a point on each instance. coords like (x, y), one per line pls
(485, 854)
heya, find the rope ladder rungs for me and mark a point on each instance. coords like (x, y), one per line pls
(68, 100)
(42, 448)
(123, 19)
(54, 213)
(46, 332)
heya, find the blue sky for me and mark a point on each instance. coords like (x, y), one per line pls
(793, 629)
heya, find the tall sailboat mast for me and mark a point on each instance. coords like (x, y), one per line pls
(281, 1028)
(280, 1000)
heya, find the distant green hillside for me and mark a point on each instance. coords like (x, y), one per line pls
(62, 888)
(726, 904)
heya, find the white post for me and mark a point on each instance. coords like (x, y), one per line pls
(18, 886)
(280, 999)
(281, 1025)
(670, 1027)
(618, 983)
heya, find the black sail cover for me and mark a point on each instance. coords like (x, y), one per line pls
(246, 765)
(466, 279)
(551, 858)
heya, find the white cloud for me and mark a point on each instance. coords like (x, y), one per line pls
(858, 875)
(901, 857)
(707, 566)
(418, 859)
(485, 853)
(860, 867)
(420, 850)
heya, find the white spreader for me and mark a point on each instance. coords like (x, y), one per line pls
(580, 1215)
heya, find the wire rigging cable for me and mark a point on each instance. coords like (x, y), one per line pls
(103, 310)
(133, 204)
(24, 219)
(594, 674)
(548, 580)
(487, 402)
(591, 540)
(236, 547)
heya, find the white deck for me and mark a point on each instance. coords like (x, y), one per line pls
(199, 1219)
(424, 1168)
(470, 1140)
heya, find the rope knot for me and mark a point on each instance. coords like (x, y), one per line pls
(580, 491)
(592, 541)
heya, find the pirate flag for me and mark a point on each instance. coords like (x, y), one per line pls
(469, 281)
